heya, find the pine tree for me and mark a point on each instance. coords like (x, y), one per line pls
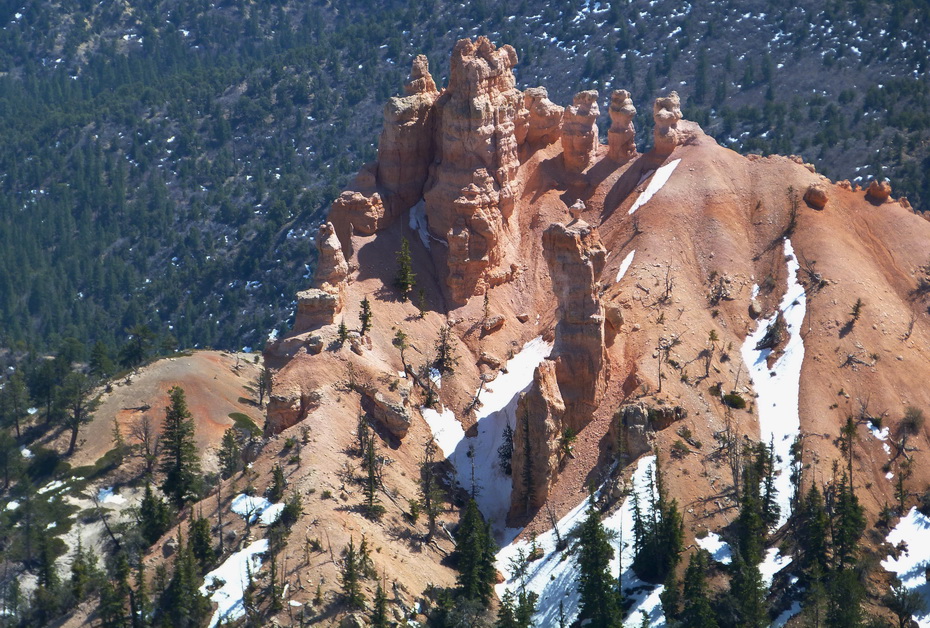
(343, 333)
(904, 603)
(379, 615)
(351, 577)
(748, 593)
(14, 399)
(596, 586)
(201, 543)
(278, 484)
(696, 609)
(474, 555)
(405, 278)
(658, 534)
(182, 605)
(230, 453)
(364, 316)
(180, 460)
(75, 393)
(812, 540)
(373, 507)
(154, 517)
(430, 494)
(847, 524)
(844, 605)
(83, 572)
(101, 364)
(446, 354)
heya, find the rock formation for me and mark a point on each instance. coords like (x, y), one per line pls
(320, 304)
(621, 138)
(667, 114)
(816, 195)
(353, 213)
(545, 117)
(579, 131)
(536, 441)
(878, 192)
(576, 257)
(405, 150)
(469, 193)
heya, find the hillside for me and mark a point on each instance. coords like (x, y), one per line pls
(165, 161)
(609, 306)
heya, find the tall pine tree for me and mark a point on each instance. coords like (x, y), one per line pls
(474, 555)
(598, 589)
(180, 460)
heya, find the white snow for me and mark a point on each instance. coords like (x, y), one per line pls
(718, 548)
(250, 507)
(659, 179)
(419, 223)
(625, 265)
(782, 619)
(234, 572)
(27, 453)
(110, 496)
(778, 389)
(771, 564)
(554, 577)
(882, 435)
(13, 505)
(447, 431)
(496, 410)
(271, 514)
(51, 486)
(914, 530)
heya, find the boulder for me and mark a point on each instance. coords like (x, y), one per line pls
(388, 409)
(878, 192)
(579, 131)
(285, 409)
(492, 324)
(816, 195)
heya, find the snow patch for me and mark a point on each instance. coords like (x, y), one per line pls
(250, 507)
(914, 530)
(234, 573)
(110, 496)
(718, 548)
(771, 564)
(778, 389)
(554, 577)
(51, 486)
(271, 514)
(659, 179)
(446, 429)
(13, 505)
(419, 223)
(625, 265)
(27, 453)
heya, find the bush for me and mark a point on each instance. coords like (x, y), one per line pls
(680, 449)
(735, 401)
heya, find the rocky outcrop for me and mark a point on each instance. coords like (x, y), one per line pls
(390, 413)
(405, 150)
(354, 213)
(667, 114)
(816, 195)
(621, 138)
(536, 450)
(878, 192)
(285, 410)
(576, 257)
(579, 131)
(470, 193)
(544, 124)
(321, 304)
(632, 429)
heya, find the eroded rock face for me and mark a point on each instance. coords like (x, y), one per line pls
(321, 304)
(356, 213)
(621, 138)
(667, 114)
(470, 188)
(405, 150)
(540, 411)
(544, 117)
(285, 410)
(878, 192)
(391, 412)
(579, 131)
(576, 257)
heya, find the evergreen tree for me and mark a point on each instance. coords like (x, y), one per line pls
(343, 333)
(812, 540)
(110, 609)
(658, 534)
(696, 609)
(599, 603)
(373, 507)
(137, 348)
(180, 460)
(507, 613)
(904, 603)
(844, 606)
(405, 278)
(200, 542)
(80, 409)
(101, 364)
(474, 555)
(154, 517)
(747, 591)
(364, 316)
(430, 494)
(182, 605)
(446, 354)
(351, 577)
(847, 523)
(14, 400)
(278, 484)
(230, 453)
(379, 615)
(83, 572)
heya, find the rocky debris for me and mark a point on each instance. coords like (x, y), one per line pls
(285, 410)
(540, 413)
(405, 150)
(314, 344)
(633, 426)
(544, 123)
(576, 257)
(816, 195)
(667, 114)
(621, 137)
(878, 192)
(390, 412)
(579, 131)
(492, 324)
(469, 193)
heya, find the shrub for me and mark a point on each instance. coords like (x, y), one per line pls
(735, 401)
